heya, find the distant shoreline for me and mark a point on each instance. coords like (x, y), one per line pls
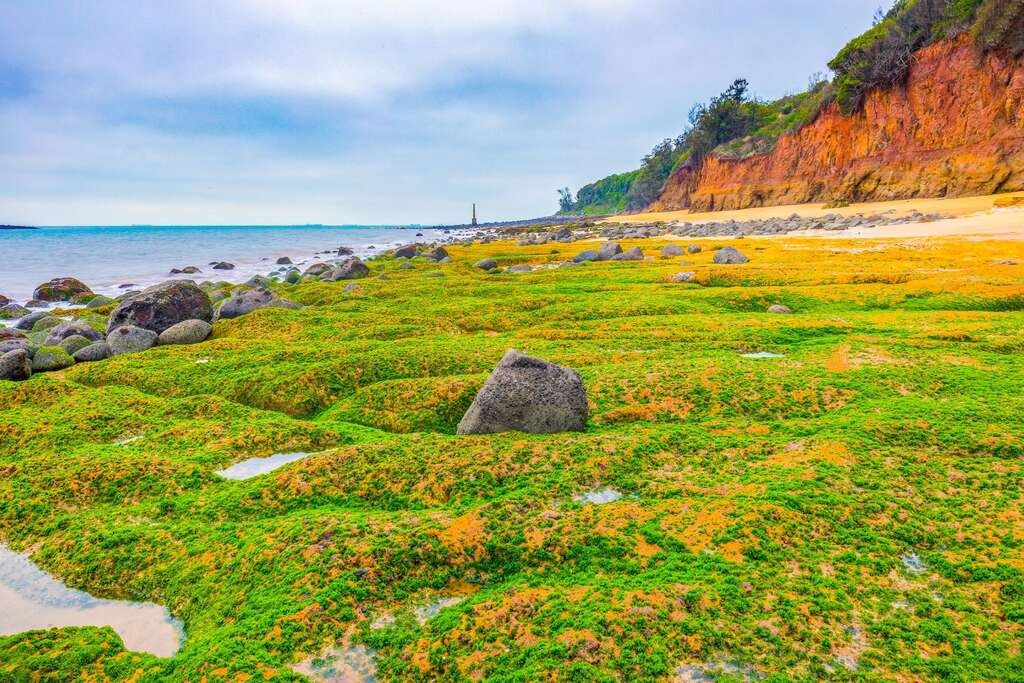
(18, 227)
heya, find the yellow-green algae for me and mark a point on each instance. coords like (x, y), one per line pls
(767, 503)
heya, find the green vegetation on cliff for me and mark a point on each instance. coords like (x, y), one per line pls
(850, 510)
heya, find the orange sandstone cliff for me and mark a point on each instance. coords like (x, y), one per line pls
(955, 128)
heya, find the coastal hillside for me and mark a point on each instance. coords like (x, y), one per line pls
(928, 103)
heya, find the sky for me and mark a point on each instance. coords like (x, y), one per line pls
(378, 112)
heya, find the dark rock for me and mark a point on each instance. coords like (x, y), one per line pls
(438, 254)
(51, 358)
(293, 276)
(60, 289)
(486, 264)
(528, 395)
(59, 333)
(729, 255)
(634, 254)
(588, 255)
(223, 265)
(174, 271)
(4, 300)
(75, 343)
(10, 333)
(350, 269)
(284, 261)
(671, 250)
(15, 365)
(36, 303)
(130, 339)
(158, 307)
(31, 319)
(408, 251)
(520, 268)
(245, 302)
(693, 249)
(186, 332)
(12, 311)
(317, 269)
(99, 301)
(608, 250)
(345, 251)
(190, 270)
(92, 353)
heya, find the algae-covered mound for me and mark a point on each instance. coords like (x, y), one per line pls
(830, 494)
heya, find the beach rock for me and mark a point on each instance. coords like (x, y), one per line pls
(59, 333)
(174, 271)
(258, 281)
(10, 333)
(634, 254)
(99, 301)
(223, 265)
(293, 276)
(608, 250)
(158, 307)
(36, 303)
(352, 287)
(60, 289)
(190, 270)
(4, 300)
(92, 353)
(29, 321)
(779, 308)
(284, 261)
(14, 344)
(12, 311)
(15, 365)
(408, 251)
(406, 266)
(317, 269)
(693, 249)
(520, 268)
(530, 395)
(730, 256)
(486, 264)
(346, 251)
(186, 332)
(245, 302)
(350, 269)
(50, 358)
(671, 250)
(588, 255)
(130, 339)
(74, 343)
(438, 254)
(82, 298)
(683, 277)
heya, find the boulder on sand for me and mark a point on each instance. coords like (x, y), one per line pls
(186, 332)
(15, 365)
(530, 395)
(60, 289)
(130, 339)
(158, 307)
(671, 250)
(608, 250)
(730, 256)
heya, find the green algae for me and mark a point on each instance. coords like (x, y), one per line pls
(769, 502)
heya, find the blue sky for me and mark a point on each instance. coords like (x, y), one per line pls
(391, 111)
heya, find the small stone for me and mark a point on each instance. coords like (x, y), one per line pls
(15, 365)
(293, 276)
(93, 352)
(406, 266)
(50, 358)
(683, 277)
(190, 270)
(186, 332)
(779, 308)
(130, 339)
(693, 249)
(284, 261)
(223, 265)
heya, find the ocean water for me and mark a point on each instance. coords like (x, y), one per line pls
(105, 257)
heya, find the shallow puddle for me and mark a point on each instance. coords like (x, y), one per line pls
(708, 672)
(598, 497)
(427, 612)
(254, 467)
(914, 564)
(340, 665)
(32, 599)
(762, 354)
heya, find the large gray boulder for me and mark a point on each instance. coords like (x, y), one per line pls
(72, 328)
(730, 256)
(527, 394)
(130, 339)
(587, 255)
(60, 289)
(31, 319)
(92, 352)
(408, 251)
(608, 250)
(158, 307)
(186, 332)
(350, 269)
(15, 365)
(634, 254)
(671, 250)
(246, 302)
(438, 254)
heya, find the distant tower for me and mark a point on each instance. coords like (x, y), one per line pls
(474, 213)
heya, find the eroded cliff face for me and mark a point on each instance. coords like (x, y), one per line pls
(955, 129)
